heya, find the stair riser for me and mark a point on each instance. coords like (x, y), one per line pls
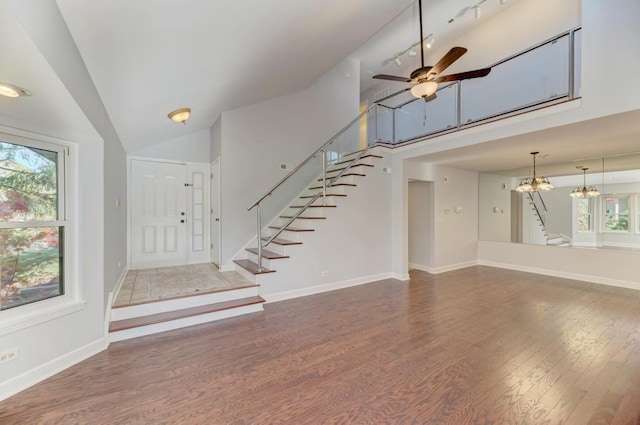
(362, 169)
(266, 263)
(183, 323)
(128, 312)
(309, 212)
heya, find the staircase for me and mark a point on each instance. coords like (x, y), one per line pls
(285, 233)
(150, 317)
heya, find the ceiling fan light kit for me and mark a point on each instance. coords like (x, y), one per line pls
(180, 115)
(427, 78)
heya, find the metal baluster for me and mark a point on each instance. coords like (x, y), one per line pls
(572, 64)
(458, 104)
(259, 212)
(375, 118)
(323, 158)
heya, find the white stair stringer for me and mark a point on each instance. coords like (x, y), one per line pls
(348, 244)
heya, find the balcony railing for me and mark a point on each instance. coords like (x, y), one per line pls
(542, 75)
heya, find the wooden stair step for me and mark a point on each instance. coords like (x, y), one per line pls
(313, 206)
(328, 194)
(333, 170)
(292, 229)
(283, 242)
(304, 218)
(334, 185)
(167, 316)
(349, 174)
(269, 255)
(363, 157)
(252, 267)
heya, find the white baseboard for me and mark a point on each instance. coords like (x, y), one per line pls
(116, 290)
(443, 269)
(400, 276)
(44, 371)
(227, 267)
(303, 292)
(565, 275)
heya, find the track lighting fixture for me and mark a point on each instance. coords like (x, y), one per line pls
(396, 60)
(478, 12)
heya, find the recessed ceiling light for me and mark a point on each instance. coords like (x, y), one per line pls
(180, 115)
(11, 90)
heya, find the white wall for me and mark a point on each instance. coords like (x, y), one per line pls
(616, 268)
(257, 138)
(420, 210)
(48, 347)
(351, 245)
(216, 139)
(192, 147)
(494, 207)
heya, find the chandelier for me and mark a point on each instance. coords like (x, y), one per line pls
(583, 192)
(534, 183)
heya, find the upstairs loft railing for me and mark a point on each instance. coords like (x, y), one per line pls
(542, 75)
(539, 206)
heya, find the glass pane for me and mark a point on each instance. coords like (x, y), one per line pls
(616, 213)
(419, 118)
(531, 78)
(584, 214)
(28, 183)
(31, 264)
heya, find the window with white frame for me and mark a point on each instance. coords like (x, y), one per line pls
(32, 222)
(616, 213)
(585, 217)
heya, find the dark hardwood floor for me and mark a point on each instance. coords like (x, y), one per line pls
(474, 346)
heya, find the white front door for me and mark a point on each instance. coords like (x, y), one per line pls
(215, 212)
(158, 214)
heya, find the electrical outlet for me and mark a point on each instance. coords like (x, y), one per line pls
(9, 355)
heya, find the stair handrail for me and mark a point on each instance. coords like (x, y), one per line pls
(533, 203)
(312, 156)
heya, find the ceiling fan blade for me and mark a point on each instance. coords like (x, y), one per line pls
(464, 75)
(462, 12)
(391, 78)
(452, 55)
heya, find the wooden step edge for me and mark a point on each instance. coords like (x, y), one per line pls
(252, 267)
(349, 174)
(292, 229)
(371, 155)
(303, 218)
(313, 206)
(328, 194)
(354, 165)
(334, 185)
(283, 242)
(269, 255)
(167, 316)
(179, 296)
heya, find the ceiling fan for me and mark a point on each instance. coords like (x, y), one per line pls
(426, 78)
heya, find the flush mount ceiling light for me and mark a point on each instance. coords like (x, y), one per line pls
(11, 90)
(180, 115)
(583, 192)
(534, 183)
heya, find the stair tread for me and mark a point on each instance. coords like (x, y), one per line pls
(252, 267)
(279, 241)
(334, 185)
(303, 218)
(333, 170)
(362, 157)
(167, 316)
(269, 255)
(313, 206)
(348, 175)
(328, 194)
(293, 229)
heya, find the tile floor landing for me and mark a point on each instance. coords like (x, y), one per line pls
(146, 285)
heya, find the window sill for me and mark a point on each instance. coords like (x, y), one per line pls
(13, 321)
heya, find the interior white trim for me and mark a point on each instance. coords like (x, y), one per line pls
(116, 290)
(566, 275)
(303, 292)
(31, 377)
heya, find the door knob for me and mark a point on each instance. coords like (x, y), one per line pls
(181, 221)
(217, 219)
(182, 213)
